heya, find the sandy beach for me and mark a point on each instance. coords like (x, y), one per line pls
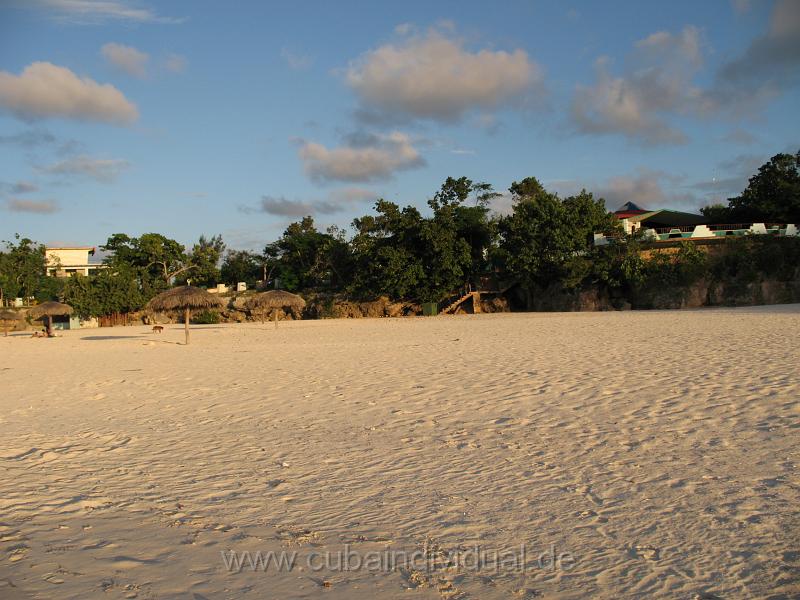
(604, 455)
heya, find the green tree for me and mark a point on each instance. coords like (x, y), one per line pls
(471, 225)
(546, 240)
(155, 259)
(717, 213)
(772, 194)
(305, 258)
(384, 252)
(23, 271)
(203, 262)
(241, 265)
(105, 293)
(399, 253)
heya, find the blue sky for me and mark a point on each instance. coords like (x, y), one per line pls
(202, 117)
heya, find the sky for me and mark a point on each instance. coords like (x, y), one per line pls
(206, 117)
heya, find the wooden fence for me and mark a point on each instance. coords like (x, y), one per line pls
(115, 319)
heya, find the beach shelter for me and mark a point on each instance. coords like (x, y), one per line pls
(49, 310)
(6, 316)
(273, 300)
(186, 298)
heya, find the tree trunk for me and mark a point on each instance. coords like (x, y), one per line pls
(5, 328)
(186, 322)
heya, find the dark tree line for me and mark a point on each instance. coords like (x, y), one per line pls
(399, 252)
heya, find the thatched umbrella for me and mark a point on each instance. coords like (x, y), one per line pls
(274, 299)
(50, 309)
(186, 298)
(7, 315)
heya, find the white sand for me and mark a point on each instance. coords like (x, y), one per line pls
(659, 449)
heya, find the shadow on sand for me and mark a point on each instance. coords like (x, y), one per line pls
(95, 338)
(98, 338)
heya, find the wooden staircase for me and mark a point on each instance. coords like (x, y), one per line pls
(452, 307)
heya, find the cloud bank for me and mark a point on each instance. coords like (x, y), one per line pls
(636, 103)
(769, 66)
(337, 201)
(39, 207)
(46, 90)
(364, 157)
(433, 76)
(103, 170)
(126, 59)
(659, 82)
(94, 12)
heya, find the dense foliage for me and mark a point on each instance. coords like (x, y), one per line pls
(22, 271)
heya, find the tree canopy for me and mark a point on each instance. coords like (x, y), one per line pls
(405, 252)
(23, 272)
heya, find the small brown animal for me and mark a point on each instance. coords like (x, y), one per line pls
(157, 329)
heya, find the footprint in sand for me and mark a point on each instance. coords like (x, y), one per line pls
(52, 578)
(646, 552)
(588, 493)
(17, 553)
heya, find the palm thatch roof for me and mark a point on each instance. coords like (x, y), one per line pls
(181, 298)
(275, 299)
(10, 315)
(50, 309)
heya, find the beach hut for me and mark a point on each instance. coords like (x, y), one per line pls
(186, 298)
(49, 310)
(6, 316)
(273, 300)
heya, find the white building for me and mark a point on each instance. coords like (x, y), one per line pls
(63, 261)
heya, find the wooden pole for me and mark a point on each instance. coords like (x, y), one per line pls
(186, 324)
(5, 328)
(275, 317)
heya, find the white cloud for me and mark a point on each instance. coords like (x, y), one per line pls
(433, 76)
(637, 103)
(659, 83)
(685, 46)
(104, 170)
(365, 157)
(298, 62)
(90, 12)
(40, 207)
(126, 58)
(47, 90)
(615, 105)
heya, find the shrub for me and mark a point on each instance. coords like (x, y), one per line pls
(206, 317)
